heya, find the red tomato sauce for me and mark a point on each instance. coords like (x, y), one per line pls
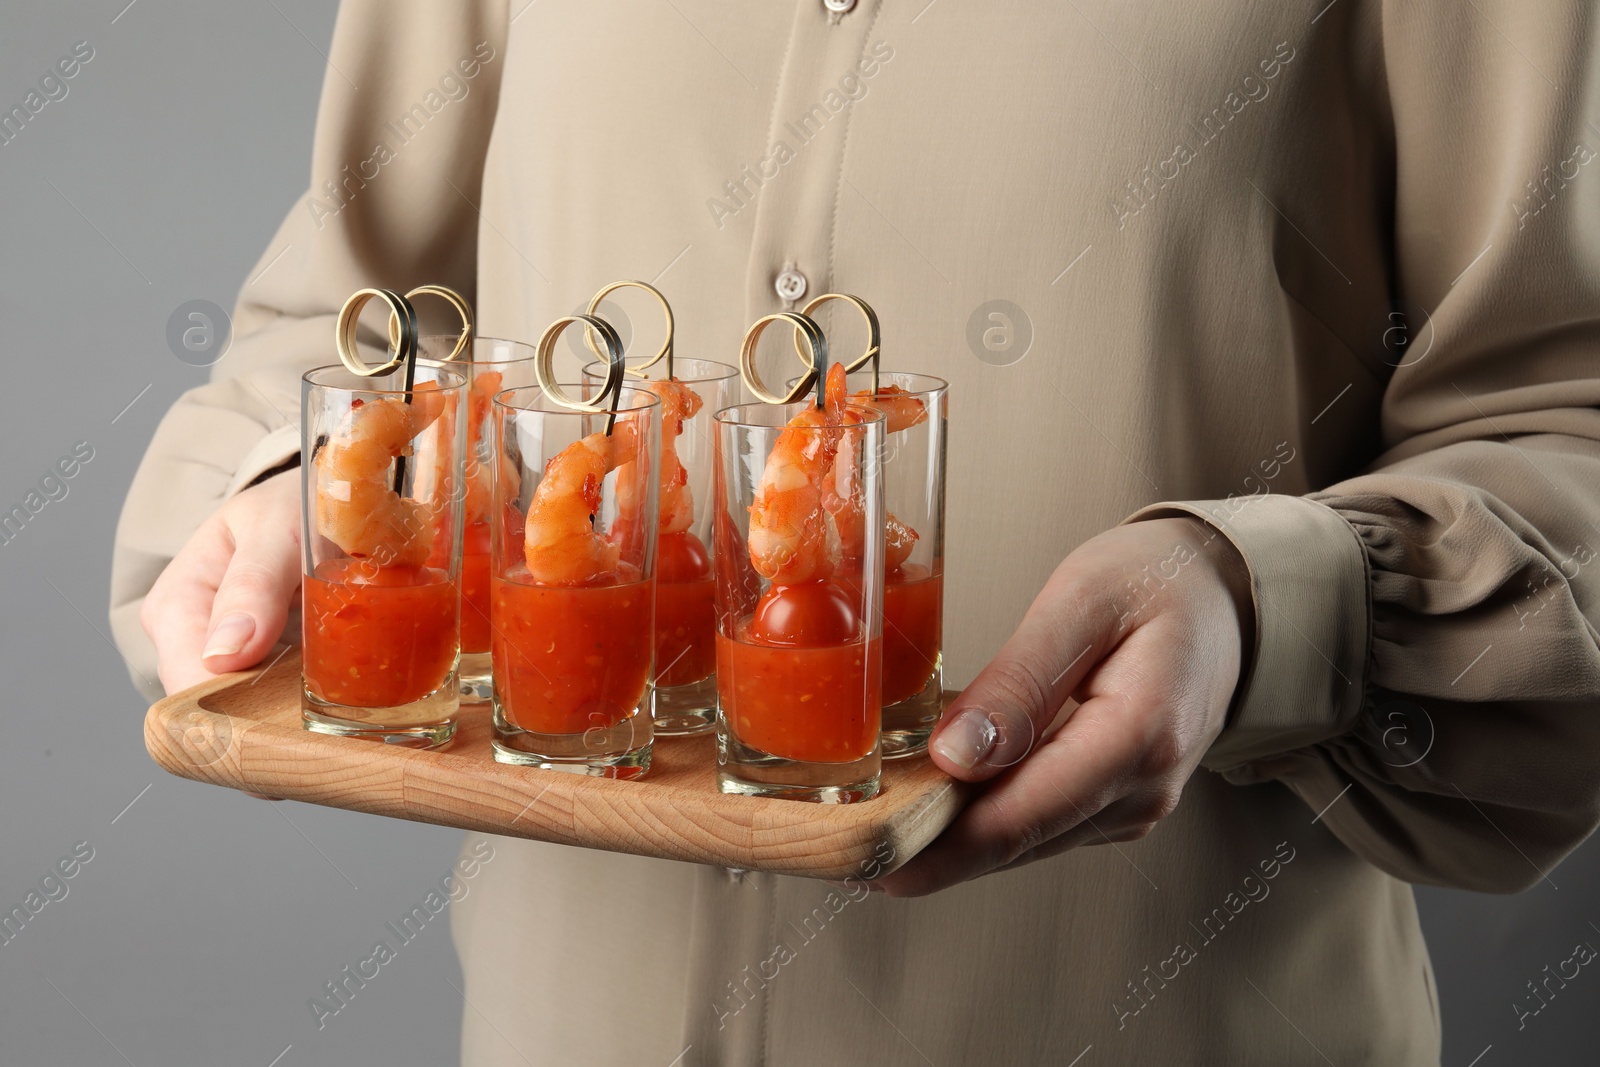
(378, 637)
(475, 589)
(686, 648)
(686, 627)
(819, 704)
(913, 630)
(570, 658)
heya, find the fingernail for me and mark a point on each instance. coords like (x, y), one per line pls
(229, 635)
(969, 738)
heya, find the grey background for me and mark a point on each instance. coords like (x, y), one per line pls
(206, 920)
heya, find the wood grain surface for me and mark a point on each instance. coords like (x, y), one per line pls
(243, 731)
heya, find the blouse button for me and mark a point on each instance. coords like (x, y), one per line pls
(790, 285)
(839, 7)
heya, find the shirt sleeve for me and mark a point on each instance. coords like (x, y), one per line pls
(408, 103)
(1427, 665)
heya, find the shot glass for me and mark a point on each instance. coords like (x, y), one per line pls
(799, 631)
(686, 646)
(572, 576)
(381, 529)
(490, 365)
(913, 589)
(916, 407)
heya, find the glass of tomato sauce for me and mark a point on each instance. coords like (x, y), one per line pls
(381, 530)
(686, 646)
(490, 365)
(799, 628)
(916, 410)
(573, 581)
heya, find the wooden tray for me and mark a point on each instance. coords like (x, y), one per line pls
(244, 731)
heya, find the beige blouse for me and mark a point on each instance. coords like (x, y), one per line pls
(1326, 273)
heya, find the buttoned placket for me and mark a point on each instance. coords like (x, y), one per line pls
(791, 253)
(791, 259)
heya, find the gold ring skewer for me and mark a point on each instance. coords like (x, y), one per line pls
(402, 333)
(815, 354)
(454, 299)
(402, 342)
(610, 390)
(874, 333)
(665, 352)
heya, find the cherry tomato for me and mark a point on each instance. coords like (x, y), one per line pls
(805, 615)
(681, 557)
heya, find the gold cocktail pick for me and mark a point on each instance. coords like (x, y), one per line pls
(610, 393)
(402, 334)
(402, 345)
(874, 333)
(455, 300)
(814, 354)
(664, 353)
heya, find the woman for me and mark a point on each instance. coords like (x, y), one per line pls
(1275, 446)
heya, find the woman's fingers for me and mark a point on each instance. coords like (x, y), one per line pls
(999, 718)
(177, 611)
(221, 603)
(1151, 653)
(252, 599)
(1084, 768)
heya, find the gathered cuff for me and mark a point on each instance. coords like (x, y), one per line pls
(1309, 583)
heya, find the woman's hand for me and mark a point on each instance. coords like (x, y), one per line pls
(1144, 627)
(222, 601)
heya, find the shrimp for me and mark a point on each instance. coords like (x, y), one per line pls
(844, 500)
(793, 537)
(357, 509)
(560, 543)
(900, 408)
(479, 472)
(433, 472)
(898, 541)
(678, 403)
